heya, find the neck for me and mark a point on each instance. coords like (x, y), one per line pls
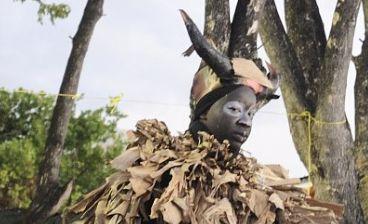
(196, 126)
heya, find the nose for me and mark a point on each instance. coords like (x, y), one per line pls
(245, 120)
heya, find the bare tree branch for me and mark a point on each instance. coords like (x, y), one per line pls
(306, 32)
(334, 143)
(243, 40)
(48, 177)
(217, 24)
(337, 58)
(361, 117)
(283, 57)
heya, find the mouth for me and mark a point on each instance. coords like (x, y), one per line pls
(240, 137)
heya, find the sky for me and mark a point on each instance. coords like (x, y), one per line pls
(136, 51)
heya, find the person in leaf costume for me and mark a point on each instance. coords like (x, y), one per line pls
(200, 176)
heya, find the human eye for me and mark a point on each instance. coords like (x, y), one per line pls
(234, 108)
(251, 112)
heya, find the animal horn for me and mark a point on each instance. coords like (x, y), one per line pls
(219, 63)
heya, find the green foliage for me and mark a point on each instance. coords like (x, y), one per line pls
(16, 172)
(91, 142)
(53, 10)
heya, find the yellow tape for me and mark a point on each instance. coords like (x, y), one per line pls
(310, 118)
(42, 93)
(114, 102)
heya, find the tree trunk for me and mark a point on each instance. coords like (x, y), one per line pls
(48, 195)
(320, 91)
(361, 118)
(333, 160)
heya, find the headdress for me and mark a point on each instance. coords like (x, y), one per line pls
(221, 75)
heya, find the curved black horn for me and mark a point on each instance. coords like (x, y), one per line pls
(219, 63)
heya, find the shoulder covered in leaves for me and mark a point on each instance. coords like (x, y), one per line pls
(166, 179)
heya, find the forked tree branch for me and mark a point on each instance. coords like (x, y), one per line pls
(336, 61)
(306, 32)
(334, 143)
(283, 57)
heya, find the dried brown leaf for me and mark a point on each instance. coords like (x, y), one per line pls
(227, 177)
(258, 201)
(139, 186)
(88, 199)
(277, 201)
(163, 155)
(278, 170)
(171, 213)
(142, 171)
(168, 166)
(221, 209)
(126, 159)
(172, 191)
(121, 209)
(186, 208)
(147, 150)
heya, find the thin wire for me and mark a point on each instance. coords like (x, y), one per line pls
(114, 102)
(155, 102)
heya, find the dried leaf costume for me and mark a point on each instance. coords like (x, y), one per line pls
(165, 179)
(193, 178)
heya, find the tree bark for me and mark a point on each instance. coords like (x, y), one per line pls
(361, 118)
(333, 160)
(332, 170)
(243, 38)
(283, 57)
(217, 24)
(306, 32)
(48, 192)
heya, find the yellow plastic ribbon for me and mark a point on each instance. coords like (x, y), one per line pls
(114, 102)
(42, 93)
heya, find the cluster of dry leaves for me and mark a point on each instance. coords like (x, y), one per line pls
(165, 179)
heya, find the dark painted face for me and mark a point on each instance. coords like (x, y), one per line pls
(231, 117)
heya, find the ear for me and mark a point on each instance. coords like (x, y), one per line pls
(203, 116)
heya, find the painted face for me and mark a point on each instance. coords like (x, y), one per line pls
(231, 117)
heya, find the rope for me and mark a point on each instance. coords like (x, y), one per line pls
(310, 119)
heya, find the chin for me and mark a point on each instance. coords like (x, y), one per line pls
(235, 147)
